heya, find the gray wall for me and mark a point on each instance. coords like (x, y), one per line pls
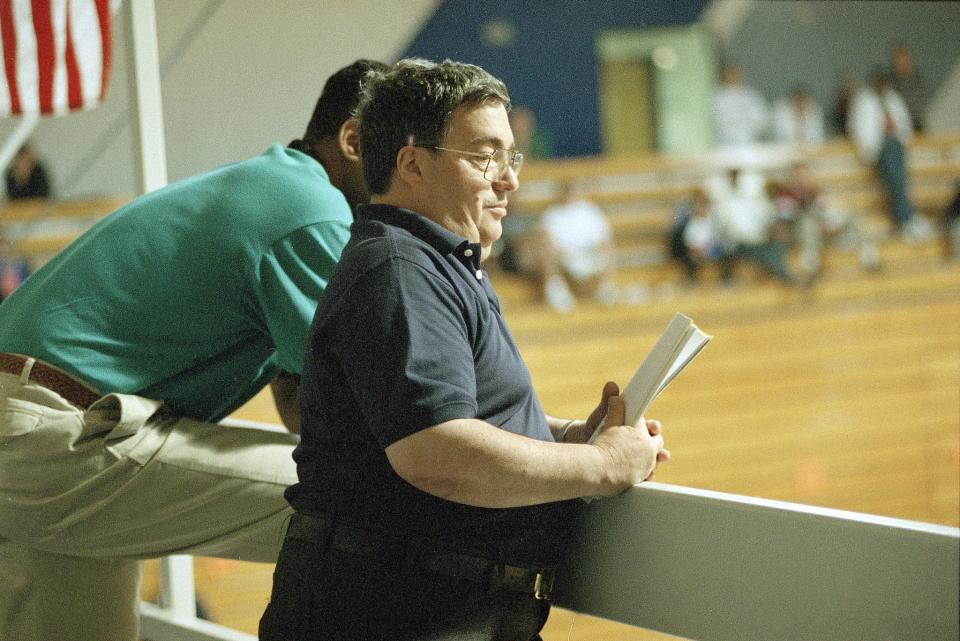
(784, 43)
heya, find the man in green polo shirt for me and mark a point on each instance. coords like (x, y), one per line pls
(119, 356)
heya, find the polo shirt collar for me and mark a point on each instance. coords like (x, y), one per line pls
(439, 237)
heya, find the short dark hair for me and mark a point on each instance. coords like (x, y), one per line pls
(338, 100)
(413, 103)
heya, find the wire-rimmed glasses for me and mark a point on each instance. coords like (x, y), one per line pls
(498, 160)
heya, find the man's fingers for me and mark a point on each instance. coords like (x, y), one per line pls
(615, 411)
(658, 441)
(599, 413)
(609, 389)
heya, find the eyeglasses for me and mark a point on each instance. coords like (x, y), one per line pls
(498, 161)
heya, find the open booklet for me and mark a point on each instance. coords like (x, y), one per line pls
(679, 343)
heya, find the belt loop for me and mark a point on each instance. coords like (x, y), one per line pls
(27, 368)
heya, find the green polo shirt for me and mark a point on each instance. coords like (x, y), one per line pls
(197, 294)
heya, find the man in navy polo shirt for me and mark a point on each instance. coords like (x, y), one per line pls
(433, 490)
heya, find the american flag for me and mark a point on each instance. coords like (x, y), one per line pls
(56, 55)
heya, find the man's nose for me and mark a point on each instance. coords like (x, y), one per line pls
(508, 181)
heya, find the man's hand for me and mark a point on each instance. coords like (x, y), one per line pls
(581, 431)
(631, 453)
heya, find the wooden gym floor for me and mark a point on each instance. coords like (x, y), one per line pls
(844, 395)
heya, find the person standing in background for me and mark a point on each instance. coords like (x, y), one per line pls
(910, 83)
(881, 129)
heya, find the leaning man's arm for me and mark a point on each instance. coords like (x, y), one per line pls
(286, 396)
(472, 462)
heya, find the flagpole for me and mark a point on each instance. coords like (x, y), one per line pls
(146, 109)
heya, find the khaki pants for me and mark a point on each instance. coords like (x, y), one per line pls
(85, 494)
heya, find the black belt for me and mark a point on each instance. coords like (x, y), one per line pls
(71, 389)
(365, 543)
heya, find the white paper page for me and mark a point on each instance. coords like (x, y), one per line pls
(691, 348)
(679, 343)
(662, 363)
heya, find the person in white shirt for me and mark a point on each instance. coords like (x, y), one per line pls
(798, 120)
(739, 113)
(578, 252)
(744, 220)
(880, 126)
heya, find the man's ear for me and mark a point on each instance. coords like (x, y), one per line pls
(348, 139)
(408, 168)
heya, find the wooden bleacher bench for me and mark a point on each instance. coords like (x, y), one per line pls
(36, 209)
(37, 229)
(639, 194)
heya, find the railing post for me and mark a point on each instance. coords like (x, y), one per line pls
(177, 590)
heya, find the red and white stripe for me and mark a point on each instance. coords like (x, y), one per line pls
(56, 55)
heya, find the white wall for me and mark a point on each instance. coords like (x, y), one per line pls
(944, 112)
(250, 77)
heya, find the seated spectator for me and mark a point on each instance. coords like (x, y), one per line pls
(811, 220)
(694, 239)
(531, 140)
(517, 250)
(570, 253)
(798, 120)
(745, 223)
(739, 112)
(952, 226)
(13, 271)
(846, 89)
(26, 176)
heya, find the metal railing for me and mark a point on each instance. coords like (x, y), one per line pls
(715, 567)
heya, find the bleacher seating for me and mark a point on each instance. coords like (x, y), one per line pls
(639, 194)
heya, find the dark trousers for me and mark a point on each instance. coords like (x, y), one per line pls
(891, 165)
(325, 594)
(771, 256)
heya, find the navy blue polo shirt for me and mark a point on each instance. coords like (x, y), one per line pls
(409, 334)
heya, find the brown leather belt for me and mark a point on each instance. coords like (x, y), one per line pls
(53, 379)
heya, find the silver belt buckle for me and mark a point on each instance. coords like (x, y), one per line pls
(543, 585)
